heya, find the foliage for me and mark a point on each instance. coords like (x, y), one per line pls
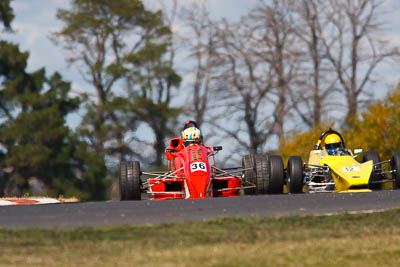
(287, 61)
(377, 130)
(300, 143)
(379, 127)
(35, 139)
(6, 13)
(161, 118)
(91, 183)
(111, 41)
(116, 43)
(151, 85)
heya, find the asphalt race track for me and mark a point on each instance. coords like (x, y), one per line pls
(147, 211)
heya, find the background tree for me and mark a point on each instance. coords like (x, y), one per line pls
(201, 43)
(275, 42)
(377, 130)
(152, 104)
(244, 85)
(255, 79)
(101, 38)
(354, 49)
(35, 139)
(12, 68)
(153, 83)
(6, 14)
(314, 84)
(6, 69)
(260, 63)
(35, 142)
(378, 127)
(300, 143)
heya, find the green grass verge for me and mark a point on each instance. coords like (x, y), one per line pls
(349, 240)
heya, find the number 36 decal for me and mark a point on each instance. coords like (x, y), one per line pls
(198, 166)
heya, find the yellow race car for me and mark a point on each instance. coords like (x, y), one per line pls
(332, 167)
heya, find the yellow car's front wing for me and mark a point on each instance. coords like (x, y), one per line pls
(349, 175)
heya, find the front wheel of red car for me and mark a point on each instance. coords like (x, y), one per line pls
(395, 163)
(130, 183)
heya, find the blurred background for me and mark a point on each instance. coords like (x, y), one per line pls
(85, 84)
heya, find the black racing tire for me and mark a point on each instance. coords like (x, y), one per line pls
(249, 173)
(276, 175)
(375, 177)
(122, 181)
(295, 175)
(262, 174)
(130, 183)
(395, 164)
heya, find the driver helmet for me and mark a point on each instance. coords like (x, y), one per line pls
(332, 143)
(189, 124)
(191, 136)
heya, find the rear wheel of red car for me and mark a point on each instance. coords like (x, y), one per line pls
(395, 163)
(249, 174)
(276, 175)
(375, 177)
(295, 175)
(262, 174)
(129, 181)
(269, 174)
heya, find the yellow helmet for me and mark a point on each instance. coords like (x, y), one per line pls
(332, 143)
(332, 138)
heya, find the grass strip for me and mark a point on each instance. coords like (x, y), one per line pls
(350, 240)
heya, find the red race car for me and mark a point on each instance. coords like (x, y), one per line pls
(193, 174)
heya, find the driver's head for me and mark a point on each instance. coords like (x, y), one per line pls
(189, 124)
(191, 136)
(332, 143)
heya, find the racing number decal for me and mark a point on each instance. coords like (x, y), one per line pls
(198, 166)
(351, 169)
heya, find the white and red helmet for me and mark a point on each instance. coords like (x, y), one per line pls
(190, 136)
